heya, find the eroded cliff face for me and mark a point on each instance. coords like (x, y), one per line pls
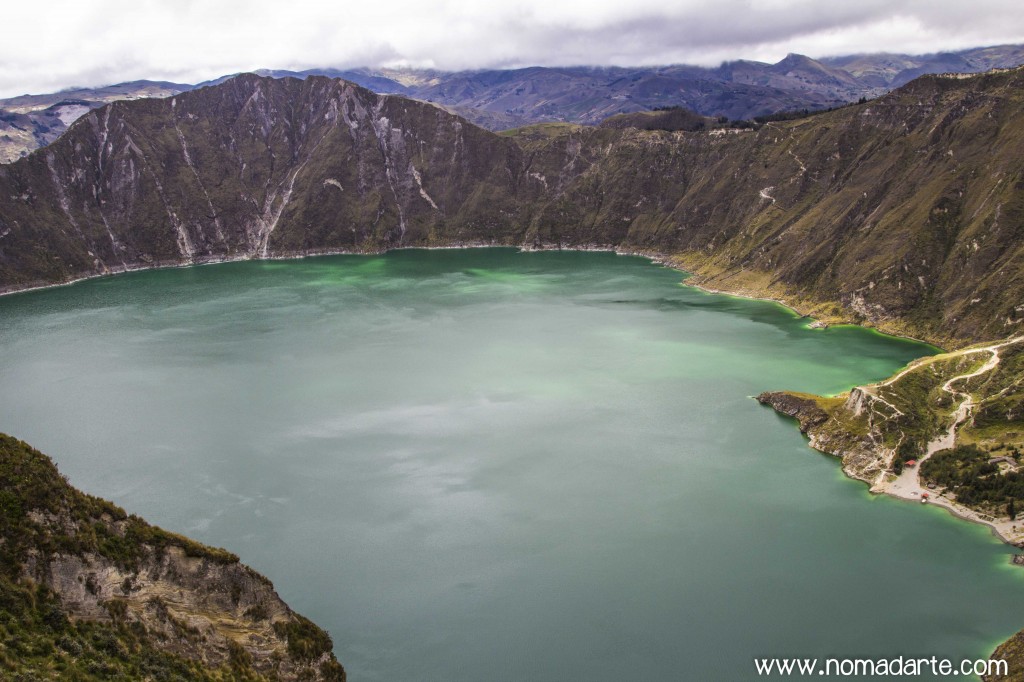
(149, 589)
(196, 608)
(903, 212)
(250, 168)
(843, 428)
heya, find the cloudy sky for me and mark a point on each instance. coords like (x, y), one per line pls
(62, 43)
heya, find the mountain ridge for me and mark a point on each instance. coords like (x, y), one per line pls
(500, 99)
(902, 212)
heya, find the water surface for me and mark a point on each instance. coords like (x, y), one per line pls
(493, 465)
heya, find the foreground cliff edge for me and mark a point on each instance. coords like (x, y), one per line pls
(91, 593)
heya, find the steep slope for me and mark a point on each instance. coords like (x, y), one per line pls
(91, 593)
(252, 167)
(904, 212)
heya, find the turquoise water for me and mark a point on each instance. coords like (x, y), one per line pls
(493, 465)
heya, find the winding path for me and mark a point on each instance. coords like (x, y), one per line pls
(908, 484)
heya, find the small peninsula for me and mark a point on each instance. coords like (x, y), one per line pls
(947, 430)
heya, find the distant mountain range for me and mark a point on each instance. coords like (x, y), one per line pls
(504, 99)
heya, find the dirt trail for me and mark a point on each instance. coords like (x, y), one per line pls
(908, 484)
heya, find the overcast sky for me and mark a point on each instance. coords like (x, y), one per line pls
(62, 43)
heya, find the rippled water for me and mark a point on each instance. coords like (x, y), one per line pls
(493, 465)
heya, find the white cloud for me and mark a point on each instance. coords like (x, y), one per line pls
(64, 43)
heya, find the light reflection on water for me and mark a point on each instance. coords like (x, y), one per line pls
(486, 464)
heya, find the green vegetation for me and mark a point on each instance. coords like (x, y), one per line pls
(903, 415)
(907, 413)
(305, 640)
(38, 641)
(923, 406)
(42, 516)
(1011, 651)
(999, 415)
(966, 472)
(29, 481)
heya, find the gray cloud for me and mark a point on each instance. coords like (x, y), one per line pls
(106, 41)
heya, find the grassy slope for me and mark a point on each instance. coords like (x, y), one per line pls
(913, 409)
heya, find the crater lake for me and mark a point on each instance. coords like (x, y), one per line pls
(485, 464)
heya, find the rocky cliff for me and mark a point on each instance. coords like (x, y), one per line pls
(90, 592)
(904, 212)
(837, 427)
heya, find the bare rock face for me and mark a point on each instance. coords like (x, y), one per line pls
(805, 410)
(900, 212)
(198, 607)
(183, 599)
(861, 449)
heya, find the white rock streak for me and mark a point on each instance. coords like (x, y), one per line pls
(209, 202)
(419, 183)
(382, 128)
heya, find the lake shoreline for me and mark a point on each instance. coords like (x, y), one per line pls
(655, 257)
(963, 513)
(256, 290)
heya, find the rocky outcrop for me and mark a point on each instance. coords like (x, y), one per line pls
(1012, 652)
(837, 427)
(196, 607)
(150, 589)
(804, 409)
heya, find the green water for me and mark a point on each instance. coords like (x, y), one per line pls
(489, 465)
